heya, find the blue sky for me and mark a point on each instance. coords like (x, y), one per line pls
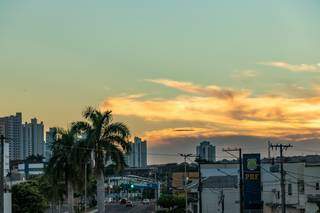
(56, 57)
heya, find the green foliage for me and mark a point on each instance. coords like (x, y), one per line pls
(52, 192)
(107, 140)
(171, 202)
(72, 151)
(148, 193)
(35, 159)
(28, 198)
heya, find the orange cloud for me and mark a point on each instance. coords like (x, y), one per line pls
(293, 67)
(260, 116)
(244, 74)
(188, 87)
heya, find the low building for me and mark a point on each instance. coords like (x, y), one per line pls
(131, 187)
(302, 187)
(180, 179)
(31, 169)
(221, 180)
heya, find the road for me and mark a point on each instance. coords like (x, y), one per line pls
(137, 208)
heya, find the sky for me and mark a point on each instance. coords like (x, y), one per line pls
(236, 73)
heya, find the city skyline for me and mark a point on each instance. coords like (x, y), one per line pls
(178, 73)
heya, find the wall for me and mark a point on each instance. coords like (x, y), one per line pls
(211, 198)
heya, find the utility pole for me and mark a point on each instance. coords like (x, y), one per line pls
(221, 201)
(156, 191)
(200, 188)
(85, 187)
(2, 138)
(269, 147)
(240, 174)
(282, 147)
(185, 156)
(2, 180)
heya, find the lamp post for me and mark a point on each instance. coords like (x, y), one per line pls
(1, 175)
(85, 187)
(185, 178)
(2, 180)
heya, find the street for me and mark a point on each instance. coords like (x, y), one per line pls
(137, 208)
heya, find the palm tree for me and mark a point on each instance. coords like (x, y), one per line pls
(63, 165)
(108, 141)
(35, 159)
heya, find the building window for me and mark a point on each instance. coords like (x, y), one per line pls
(301, 186)
(289, 189)
(317, 186)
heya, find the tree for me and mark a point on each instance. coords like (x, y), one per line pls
(173, 203)
(27, 198)
(107, 140)
(35, 159)
(63, 165)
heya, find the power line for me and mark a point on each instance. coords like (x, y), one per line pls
(228, 150)
(312, 176)
(2, 138)
(185, 156)
(282, 147)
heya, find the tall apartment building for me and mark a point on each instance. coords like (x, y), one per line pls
(138, 155)
(206, 151)
(12, 126)
(50, 138)
(32, 139)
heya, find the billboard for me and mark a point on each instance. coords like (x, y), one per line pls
(252, 182)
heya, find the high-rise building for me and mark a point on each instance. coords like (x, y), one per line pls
(206, 151)
(50, 138)
(12, 126)
(32, 139)
(138, 155)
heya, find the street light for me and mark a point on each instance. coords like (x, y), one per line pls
(185, 156)
(2, 138)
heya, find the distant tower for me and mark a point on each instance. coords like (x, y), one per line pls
(12, 126)
(50, 139)
(138, 155)
(206, 151)
(33, 138)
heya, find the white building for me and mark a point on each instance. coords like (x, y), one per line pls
(302, 187)
(13, 129)
(220, 187)
(29, 169)
(32, 139)
(138, 155)
(206, 152)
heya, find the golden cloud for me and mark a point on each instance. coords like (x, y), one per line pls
(189, 87)
(244, 74)
(293, 67)
(260, 116)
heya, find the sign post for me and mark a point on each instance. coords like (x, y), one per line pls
(252, 183)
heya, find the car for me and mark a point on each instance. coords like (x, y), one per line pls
(129, 204)
(123, 201)
(146, 201)
(109, 200)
